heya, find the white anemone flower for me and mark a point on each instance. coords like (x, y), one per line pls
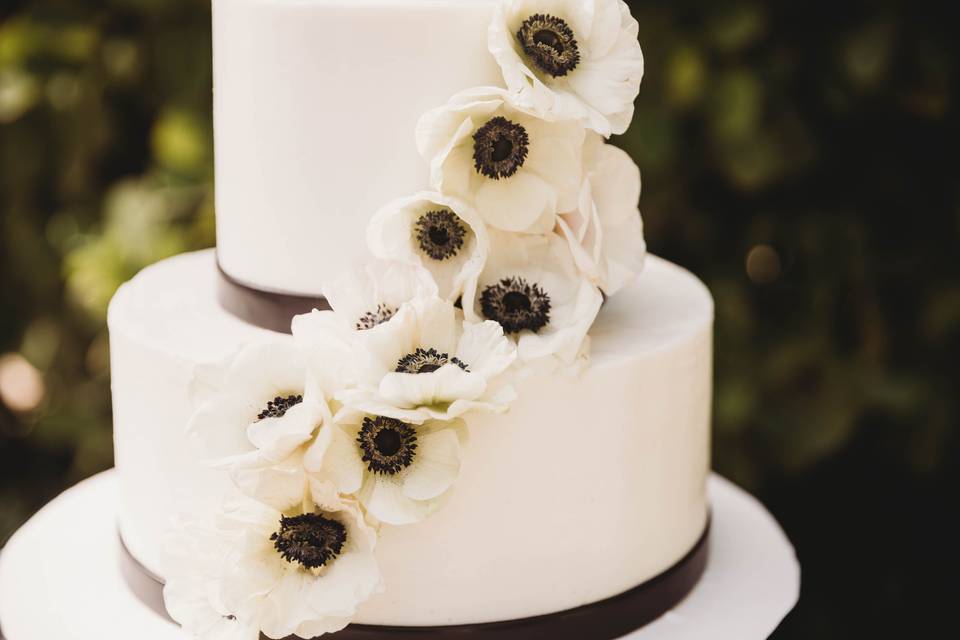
(400, 471)
(261, 418)
(606, 231)
(369, 295)
(516, 169)
(575, 59)
(425, 363)
(534, 290)
(298, 572)
(430, 230)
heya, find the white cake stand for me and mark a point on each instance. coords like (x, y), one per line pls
(60, 575)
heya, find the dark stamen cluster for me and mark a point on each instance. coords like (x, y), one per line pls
(500, 148)
(426, 361)
(549, 42)
(372, 318)
(440, 234)
(516, 304)
(277, 407)
(388, 445)
(310, 539)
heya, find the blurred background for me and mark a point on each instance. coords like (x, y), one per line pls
(801, 158)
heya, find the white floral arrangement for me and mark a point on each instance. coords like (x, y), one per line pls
(497, 271)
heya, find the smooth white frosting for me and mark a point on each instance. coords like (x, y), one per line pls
(589, 485)
(315, 105)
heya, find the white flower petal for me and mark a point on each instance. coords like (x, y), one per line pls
(564, 342)
(281, 485)
(385, 500)
(327, 624)
(278, 438)
(605, 233)
(441, 387)
(437, 127)
(485, 350)
(558, 161)
(436, 466)
(519, 203)
(218, 428)
(604, 29)
(286, 606)
(451, 171)
(385, 345)
(263, 370)
(336, 456)
(248, 575)
(437, 324)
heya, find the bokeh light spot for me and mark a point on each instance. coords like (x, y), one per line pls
(763, 264)
(21, 384)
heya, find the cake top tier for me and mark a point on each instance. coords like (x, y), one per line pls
(316, 103)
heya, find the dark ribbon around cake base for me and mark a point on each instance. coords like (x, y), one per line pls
(265, 309)
(605, 620)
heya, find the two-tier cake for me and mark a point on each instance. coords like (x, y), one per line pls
(428, 384)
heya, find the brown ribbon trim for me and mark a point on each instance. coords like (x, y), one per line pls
(605, 620)
(265, 309)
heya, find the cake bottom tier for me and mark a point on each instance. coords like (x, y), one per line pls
(590, 486)
(609, 619)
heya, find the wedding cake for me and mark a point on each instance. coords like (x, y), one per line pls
(428, 384)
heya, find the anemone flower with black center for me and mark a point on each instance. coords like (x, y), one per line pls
(534, 290)
(605, 232)
(261, 410)
(425, 364)
(400, 471)
(299, 572)
(570, 59)
(370, 295)
(513, 167)
(438, 233)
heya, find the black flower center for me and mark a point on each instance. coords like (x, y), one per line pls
(500, 148)
(549, 42)
(277, 407)
(516, 304)
(310, 539)
(427, 361)
(372, 318)
(388, 445)
(440, 234)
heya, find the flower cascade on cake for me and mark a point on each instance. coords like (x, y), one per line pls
(355, 423)
(493, 271)
(558, 202)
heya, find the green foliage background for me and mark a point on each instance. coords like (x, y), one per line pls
(800, 157)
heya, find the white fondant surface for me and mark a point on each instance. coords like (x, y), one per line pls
(315, 105)
(589, 486)
(71, 587)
